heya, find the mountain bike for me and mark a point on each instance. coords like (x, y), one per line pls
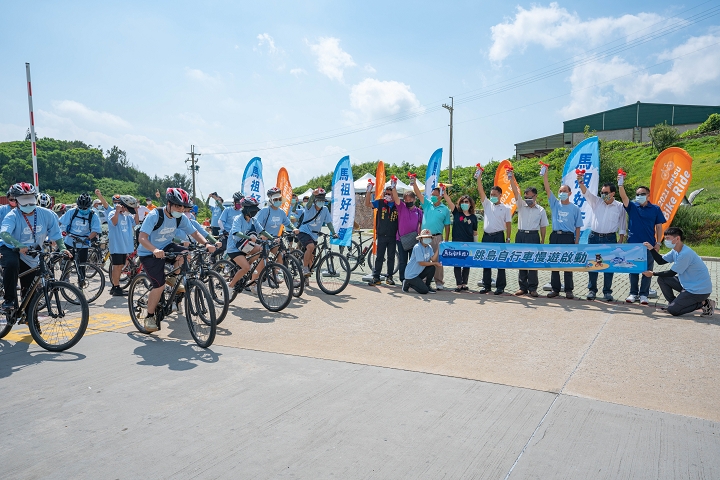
(199, 308)
(216, 285)
(361, 250)
(274, 284)
(292, 263)
(332, 270)
(99, 252)
(56, 312)
(88, 277)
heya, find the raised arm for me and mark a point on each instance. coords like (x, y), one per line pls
(481, 190)
(516, 190)
(104, 202)
(621, 190)
(396, 197)
(546, 184)
(418, 194)
(448, 200)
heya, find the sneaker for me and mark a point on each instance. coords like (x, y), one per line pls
(520, 293)
(458, 289)
(374, 282)
(608, 297)
(569, 295)
(7, 306)
(390, 281)
(590, 296)
(405, 286)
(661, 309)
(534, 294)
(708, 309)
(631, 299)
(439, 286)
(643, 300)
(553, 294)
(151, 324)
(484, 291)
(431, 290)
(306, 271)
(498, 292)
(116, 291)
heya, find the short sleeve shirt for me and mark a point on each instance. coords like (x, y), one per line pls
(162, 237)
(121, 236)
(420, 253)
(408, 219)
(271, 219)
(531, 218)
(435, 218)
(692, 271)
(497, 216)
(81, 226)
(464, 226)
(20, 227)
(215, 212)
(4, 210)
(642, 221)
(564, 217)
(241, 225)
(313, 228)
(228, 216)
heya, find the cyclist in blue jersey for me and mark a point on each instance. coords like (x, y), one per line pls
(81, 222)
(121, 237)
(241, 243)
(271, 218)
(310, 223)
(156, 235)
(12, 203)
(23, 227)
(215, 212)
(227, 217)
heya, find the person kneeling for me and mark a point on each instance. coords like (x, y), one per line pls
(420, 269)
(689, 276)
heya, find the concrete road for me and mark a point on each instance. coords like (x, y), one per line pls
(372, 383)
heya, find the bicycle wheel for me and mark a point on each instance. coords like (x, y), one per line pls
(200, 313)
(219, 292)
(333, 273)
(275, 287)
(227, 270)
(353, 254)
(295, 267)
(138, 294)
(8, 326)
(128, 272)
(61, 324)
(92, 285)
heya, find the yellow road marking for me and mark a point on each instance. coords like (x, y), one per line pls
(102, 322)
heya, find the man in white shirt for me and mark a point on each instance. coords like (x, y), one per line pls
(532, 225)
(497, 226)
(608, 219)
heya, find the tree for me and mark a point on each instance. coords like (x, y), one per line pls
(663, 136)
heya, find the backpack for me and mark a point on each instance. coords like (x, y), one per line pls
(161, 220)
(74, 215)
(302, 217)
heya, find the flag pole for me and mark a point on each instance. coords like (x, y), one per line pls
(32, 128)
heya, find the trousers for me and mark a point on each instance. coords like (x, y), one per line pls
(685, 302)
(562, 239)
(421, 283)
(385, 245)
(528, 279)
(500, 281)
(595, 239)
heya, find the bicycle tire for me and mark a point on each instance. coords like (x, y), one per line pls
(275, 278)
(333, 273)
(295, 267)
(92, 286)
(66, 325)
(353, 255)
(297, 253)
(138, 292)
(199, 303)
(371, 261)
(220, 293)
(227, 270)
(6, 329)
(128, 272)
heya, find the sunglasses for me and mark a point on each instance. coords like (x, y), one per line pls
(30, 203)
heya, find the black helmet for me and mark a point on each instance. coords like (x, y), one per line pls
(22, 188)
(250, 207)
(177, 196)
(238, 197)
(84, 201)
(273, 191)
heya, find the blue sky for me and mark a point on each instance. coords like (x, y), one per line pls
(240, 79)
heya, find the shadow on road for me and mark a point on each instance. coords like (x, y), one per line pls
(14, 356)
(175, 355)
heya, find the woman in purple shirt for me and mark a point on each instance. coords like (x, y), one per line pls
(409, 220)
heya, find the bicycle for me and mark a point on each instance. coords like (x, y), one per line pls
(88, 277)
(199, 308)
(332, 270)
(56, 312)
(216, 285)
(99, 253)
(292, 263)
(274, 284)
(358, 252)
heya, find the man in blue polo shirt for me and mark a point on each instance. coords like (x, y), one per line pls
(645, 222)
(436, 218)
(566, 223)
(215, 212)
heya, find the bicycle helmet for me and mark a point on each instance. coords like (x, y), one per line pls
(320, 194)
(238, 197)
(273, 192)
(177, 196)
(250, 207)
(59, 208)
(84, 201)
(116, 198)
(22, 188)
(129, 202)
(44, 200)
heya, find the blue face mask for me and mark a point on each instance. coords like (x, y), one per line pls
(293, 202)
(433, 199)
(494, 199)
(319, 204)
(563, 196)
(27, 208)
(176, 214)
(83, 211)
(277, 203)
(641, 199)
(465, 207)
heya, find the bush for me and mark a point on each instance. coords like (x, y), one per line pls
(699, 224)
(663, 136)
(712, 124)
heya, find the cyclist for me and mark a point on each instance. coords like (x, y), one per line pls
(81, 222)
(44, 200)
(24, 227)
(241, 243)
(12, 203)
(215, 211)
(271, 218)
(185, 239)
(156, 234)
(121, 237)
(227, 217)
(309, 225)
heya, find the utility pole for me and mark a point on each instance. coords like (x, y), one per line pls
(193, 168)
(450, 109)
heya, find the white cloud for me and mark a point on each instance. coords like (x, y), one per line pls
(298, 71)
(369, 68)
(374, 98)
(79, 111)
(331, 59)
(683, 80)
(266, 39)
(202, 77)
(553, 27)
(276, 55)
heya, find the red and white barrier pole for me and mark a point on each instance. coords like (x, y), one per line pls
(32, 128)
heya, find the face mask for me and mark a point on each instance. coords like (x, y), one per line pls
(465, 207)
(127, 214)
(238, 206)
(494, 199)
(277, 203)
(83, 212)
(641, 199)
(293, 202)
(433, 199)
(427, 241)
(319, 204)
(605, 196)
(563, 196)
(176, 214)
(669, 244)
(388, 198)
(27, 208)
(409, 204)
(529, 201)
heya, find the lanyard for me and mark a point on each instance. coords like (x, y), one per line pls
(34, 226)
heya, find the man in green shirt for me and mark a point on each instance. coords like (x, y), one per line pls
(436, 218)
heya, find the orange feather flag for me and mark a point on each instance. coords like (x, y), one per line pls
(283, 183)
(379, 192)
(502, 181)
(671, 176)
